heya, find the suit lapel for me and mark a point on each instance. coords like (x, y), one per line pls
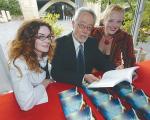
(85, 54)
(71, 49)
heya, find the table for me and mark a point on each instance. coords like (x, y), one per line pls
(9, 109)
(143, 80)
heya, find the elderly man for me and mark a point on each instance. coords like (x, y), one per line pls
(77, 54)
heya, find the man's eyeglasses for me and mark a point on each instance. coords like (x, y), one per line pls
(42, 37)
(82, 26)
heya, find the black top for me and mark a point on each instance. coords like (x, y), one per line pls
(46, 70)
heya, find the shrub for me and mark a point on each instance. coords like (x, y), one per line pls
(10, 5)
(51, 19)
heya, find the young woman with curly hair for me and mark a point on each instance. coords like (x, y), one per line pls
(29, 61)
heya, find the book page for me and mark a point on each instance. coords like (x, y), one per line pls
(121, 74)
(113, 77)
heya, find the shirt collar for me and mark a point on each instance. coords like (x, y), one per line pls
(76, 43)
(43, 62)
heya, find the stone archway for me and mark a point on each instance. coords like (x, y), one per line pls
(43, 9)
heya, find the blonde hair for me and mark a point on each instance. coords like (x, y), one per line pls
(111, 8)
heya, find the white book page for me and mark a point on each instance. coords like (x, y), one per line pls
(114, 77)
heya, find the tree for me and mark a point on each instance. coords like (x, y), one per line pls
(145, 25)
(11, 5)
(51, 19)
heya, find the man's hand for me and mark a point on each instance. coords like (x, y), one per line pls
(91, 78)
(120, 67)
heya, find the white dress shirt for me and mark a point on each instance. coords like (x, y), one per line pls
(28, 89)
(76, 45)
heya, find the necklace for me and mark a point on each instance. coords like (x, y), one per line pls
(107, 40)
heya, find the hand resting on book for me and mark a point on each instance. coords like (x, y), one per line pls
(89, 78)
(113, 77)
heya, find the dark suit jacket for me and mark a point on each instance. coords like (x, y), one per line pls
(64, 63)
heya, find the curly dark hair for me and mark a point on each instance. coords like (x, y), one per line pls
(24, 44)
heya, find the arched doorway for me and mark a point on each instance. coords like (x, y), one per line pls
(65, 8)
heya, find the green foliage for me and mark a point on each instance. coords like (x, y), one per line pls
(3, 4)
(10, 5)
(127, 22)
(145, 25)
(93, 1)
(51, 19)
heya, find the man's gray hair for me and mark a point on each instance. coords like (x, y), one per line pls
(84, 9)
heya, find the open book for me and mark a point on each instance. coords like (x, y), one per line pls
(113, 77)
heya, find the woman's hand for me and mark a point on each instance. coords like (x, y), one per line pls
(91, 78)
(46, 82)
(51, 80)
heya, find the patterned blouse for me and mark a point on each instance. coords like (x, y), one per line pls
(122, 48)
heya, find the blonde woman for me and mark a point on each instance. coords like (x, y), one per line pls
(114, 43)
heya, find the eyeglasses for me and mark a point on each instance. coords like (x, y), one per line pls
(42, 37)
(82, 26)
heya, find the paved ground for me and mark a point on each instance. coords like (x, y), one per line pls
(146, 48)
(7, 32)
